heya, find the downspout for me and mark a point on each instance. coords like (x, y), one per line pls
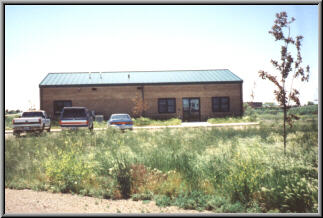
(40, 98)
(143, 100)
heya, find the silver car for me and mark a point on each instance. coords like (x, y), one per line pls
(121, 121)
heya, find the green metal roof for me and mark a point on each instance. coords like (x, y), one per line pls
(139, 77)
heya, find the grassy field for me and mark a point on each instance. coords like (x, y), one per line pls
(243, 119)
(268, 115)
(219, 169)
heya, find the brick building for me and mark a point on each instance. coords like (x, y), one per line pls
(187, 94)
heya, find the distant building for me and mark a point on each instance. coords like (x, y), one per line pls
(191, 95)
(255, 104)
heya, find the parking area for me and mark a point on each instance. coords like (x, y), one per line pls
(183, 125)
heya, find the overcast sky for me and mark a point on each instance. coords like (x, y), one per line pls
(93, 38)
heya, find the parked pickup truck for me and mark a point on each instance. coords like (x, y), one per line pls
(76, 117)
(31, 121)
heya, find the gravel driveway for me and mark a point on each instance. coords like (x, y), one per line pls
(28, 201)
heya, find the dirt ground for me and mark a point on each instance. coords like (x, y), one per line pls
(33, 202)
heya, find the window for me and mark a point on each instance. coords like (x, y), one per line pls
(59, 105)
(120, 117)
(74, 113)
(220, 104)
(167, 105)
(191, 104)
(32, 114)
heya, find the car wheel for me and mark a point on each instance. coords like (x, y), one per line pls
(16, 133)
(48, 130)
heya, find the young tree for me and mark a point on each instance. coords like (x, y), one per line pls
(139, 106)
(252, 95)
(286, 66)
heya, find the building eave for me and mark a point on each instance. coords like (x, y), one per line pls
(141, 84)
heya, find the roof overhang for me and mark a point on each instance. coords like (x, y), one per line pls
(140, 84)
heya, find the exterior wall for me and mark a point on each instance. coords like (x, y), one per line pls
(106, 100)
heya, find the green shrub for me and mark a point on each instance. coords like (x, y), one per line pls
(143, 196)
(291, 185)
(249, 111)
(144, 121)
(307, 109)
(162, 200)
(247, 118)
(122, 174)
(300, 195)
(302, 110)
(216, 202)
(296, 194)
(192, 200)
(97, 124)
(8, 120)
(236, 207)
(245, 175)
(172, 186)
(54, 124)
(67, 171)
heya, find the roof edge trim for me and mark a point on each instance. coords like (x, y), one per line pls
(139, 84)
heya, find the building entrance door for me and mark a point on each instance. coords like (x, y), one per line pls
(191, 109)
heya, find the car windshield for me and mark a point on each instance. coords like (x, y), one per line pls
(120, 117)
(32, 114)
(74, 113)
